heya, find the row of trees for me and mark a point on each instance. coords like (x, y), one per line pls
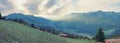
(50, 29)
(44, 28)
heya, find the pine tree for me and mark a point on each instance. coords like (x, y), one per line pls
(100, 35)
(0, 16)
(32, 25)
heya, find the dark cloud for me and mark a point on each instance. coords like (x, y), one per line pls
(8, 5)
(60, 9)
(116, 4)
(51, 3)
(1, 8)
(33, 7)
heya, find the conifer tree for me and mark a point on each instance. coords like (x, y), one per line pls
(100, 36)
(0, 16)
(32, 25)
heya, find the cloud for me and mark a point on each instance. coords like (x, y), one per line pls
(5, 4)
(19, 6)
(40, 7)
(110, 31)
(51, 3)
(6, 7)
(93, 5)
(33, 6)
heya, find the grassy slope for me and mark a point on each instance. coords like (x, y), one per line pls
(81, 41)
(11, 32)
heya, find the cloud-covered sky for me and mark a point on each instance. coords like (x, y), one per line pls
(49, 7)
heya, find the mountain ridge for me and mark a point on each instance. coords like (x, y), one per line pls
(82, 22)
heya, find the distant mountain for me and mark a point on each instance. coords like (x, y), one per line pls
(109, 21)
(29, 19)
(79, 23)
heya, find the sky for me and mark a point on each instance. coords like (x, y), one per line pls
(56, 7)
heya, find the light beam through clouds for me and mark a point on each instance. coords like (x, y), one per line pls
(57, 7)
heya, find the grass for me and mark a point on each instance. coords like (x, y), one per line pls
(11, 32)
(81, 41)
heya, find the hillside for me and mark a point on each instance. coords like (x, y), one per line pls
(11, 32)
(88, 22)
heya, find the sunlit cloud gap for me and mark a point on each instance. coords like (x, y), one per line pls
(57, 7)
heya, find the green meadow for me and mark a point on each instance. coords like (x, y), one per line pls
(12, 32)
